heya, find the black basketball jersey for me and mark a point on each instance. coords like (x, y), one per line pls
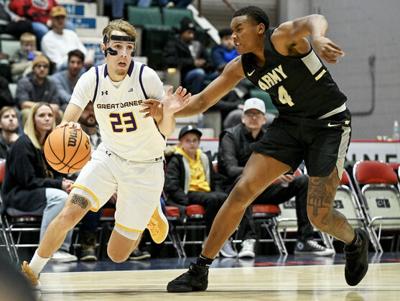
(299, 86)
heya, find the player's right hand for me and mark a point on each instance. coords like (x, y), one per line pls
(327, 49)
(70, 124)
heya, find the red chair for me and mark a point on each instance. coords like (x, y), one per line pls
(267, 214)
(194, 222)
(195, 211)
(377, 186)
(173, 214)
(396, 168)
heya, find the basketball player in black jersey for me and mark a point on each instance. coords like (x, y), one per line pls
(313, 125)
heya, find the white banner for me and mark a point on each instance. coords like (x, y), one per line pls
(386, 151)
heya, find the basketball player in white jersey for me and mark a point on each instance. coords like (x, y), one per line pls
(129, 160)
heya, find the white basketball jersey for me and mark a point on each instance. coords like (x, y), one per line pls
(124, 130)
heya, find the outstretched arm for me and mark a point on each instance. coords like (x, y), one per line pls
(200, 102)
(229, 78)
(293, 38)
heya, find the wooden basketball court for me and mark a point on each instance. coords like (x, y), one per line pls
(298, 283)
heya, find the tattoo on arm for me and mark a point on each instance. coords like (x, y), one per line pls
(80, 201)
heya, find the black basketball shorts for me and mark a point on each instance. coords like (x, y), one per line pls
(322, 144)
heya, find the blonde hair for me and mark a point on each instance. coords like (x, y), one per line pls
(27, 37)
(119, 25)
(30, 126)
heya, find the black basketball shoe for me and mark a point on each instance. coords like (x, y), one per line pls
(195, 279)
(356, 259)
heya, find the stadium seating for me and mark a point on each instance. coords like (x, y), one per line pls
(140, 16)
(377, 186)
(16, 223)
(266, 215)
(173, 16)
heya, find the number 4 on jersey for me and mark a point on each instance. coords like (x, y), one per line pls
(284, 96)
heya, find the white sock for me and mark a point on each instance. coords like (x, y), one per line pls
(37, 263)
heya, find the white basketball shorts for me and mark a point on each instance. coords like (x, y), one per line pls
(138, 186)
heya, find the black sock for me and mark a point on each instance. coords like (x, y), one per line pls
(204, 261)
(355, 243)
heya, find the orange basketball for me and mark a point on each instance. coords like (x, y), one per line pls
(67, 149)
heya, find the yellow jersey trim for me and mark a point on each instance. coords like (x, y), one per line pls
(92, 194)
(128, 229)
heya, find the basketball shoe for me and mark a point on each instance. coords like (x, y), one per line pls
(158, 226)
(356, 259)
(311, 247)
(30, 275)
(195, 279)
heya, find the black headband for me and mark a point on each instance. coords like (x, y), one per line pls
(118, 38)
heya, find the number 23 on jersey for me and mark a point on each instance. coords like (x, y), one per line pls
(123, 122)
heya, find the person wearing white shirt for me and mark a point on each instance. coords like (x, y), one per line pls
(59, 41)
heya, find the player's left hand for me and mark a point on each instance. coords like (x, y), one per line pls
(174, 102)
(327, 50)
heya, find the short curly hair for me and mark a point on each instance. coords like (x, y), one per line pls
(255, 13)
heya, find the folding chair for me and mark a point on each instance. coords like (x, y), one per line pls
(5, 237)
(194, 220)
(173, 214)
(19, 222)
(398, 177)
(377, 187)
(267, 214)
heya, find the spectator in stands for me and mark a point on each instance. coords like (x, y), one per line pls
(30, 184)
(221, 54)
(188, 55)
(37, 87)
(21, 61)
(234, 152)
(225, 52)
(9, 129)
(190, 179)
(66, 80)
(36, 11)
(5, 68)
(59, 41)
(117, 8)
(6, 98)
(166, 3)
(14, 24)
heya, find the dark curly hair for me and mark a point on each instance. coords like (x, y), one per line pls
(255, 13)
